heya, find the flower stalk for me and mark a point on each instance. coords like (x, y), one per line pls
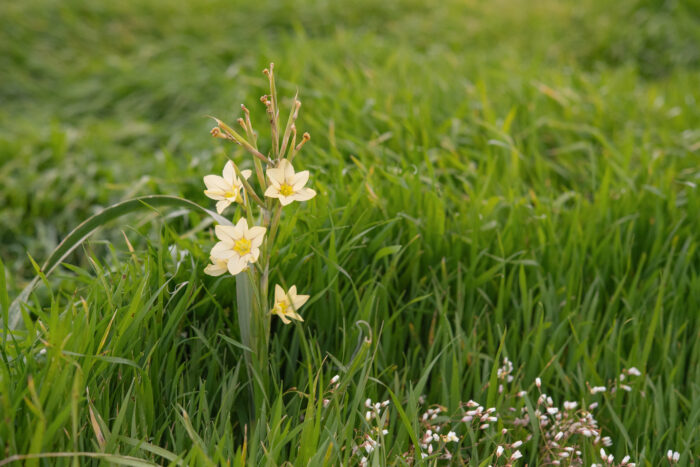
(246, 250)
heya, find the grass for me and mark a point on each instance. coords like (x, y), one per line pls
(494, 180)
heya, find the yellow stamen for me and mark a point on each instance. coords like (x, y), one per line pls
(286, 190)
(242, 246)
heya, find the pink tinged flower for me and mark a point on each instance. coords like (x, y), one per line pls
(287, 304)
(227, 189)
(288, 186)
(238, 245)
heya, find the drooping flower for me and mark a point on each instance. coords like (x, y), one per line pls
(288, 186)
(238, 245)
(227, 189)
(217, 267)
(287, 304)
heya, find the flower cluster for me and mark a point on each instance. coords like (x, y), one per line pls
(377, 421)
(241, 245)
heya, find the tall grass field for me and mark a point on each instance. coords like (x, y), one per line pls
(500, 252)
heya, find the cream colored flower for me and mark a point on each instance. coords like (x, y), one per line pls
(288, 186)
(238, 246)
(287, 304)
(217, 267)
(227, 189)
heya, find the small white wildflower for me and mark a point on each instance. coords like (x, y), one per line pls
(522, 394)
(570, 405)
(326, 402)
(368, 415)
(625, 459)
(552, 410)
(538, 382)
(676, 456)
(238, 246)
(563, 454)
(385, 403)
(451, 437)
(368, 403)
(593, 406)
(516, 455)
(287, 303)
(227, 189)
(430, 449)
(467, 418)
(625, 387)
(484, 426)
(423, 455)
(288, 186)
(335, 379)
(597, 389)
(499, 451)
(611, 459)
(385, 432)
(603, 455)
(634, 372)
(607, 441)
(558, 436)
(516, 444)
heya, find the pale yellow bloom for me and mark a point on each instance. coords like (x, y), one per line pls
(287, 304)
(217, 267)
(288, 186)
(227, 189)
(238, 246)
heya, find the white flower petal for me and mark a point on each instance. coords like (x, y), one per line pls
(216, 269)
(240, 228)
(221, 205)
(225, 233)
(304, 194)
(272, 191)
(279, 293)
(295, 315)
(285, 200)
(230, 173)
(256, 242)
(276, 175)
(288, 169)
(299, 180)
(236, 265)
(283, 318)
(222, 251)
(216, 183)
(246, 173)
(299, 301)
(216, 195)
(255, 232)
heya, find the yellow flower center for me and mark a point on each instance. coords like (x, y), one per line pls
(283, 306)
(231, 194)
(242, 246)
(286, 190)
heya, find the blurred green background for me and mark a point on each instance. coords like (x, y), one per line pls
(104, 100)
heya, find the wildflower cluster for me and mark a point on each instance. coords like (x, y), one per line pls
(370, 439)
(566, 433)
(248, 242)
